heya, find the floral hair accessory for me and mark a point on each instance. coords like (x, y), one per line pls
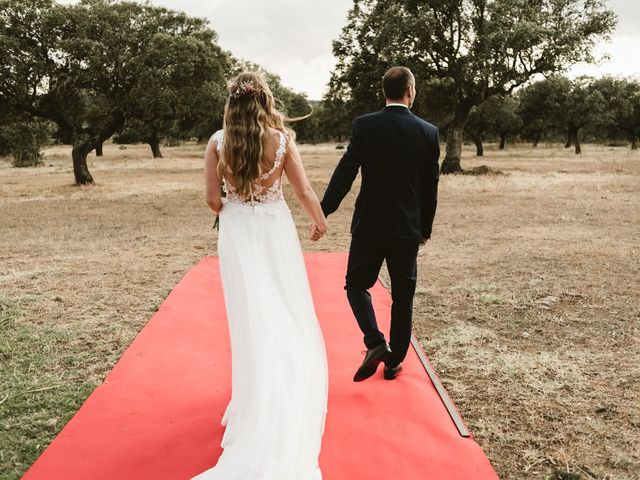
(242, 89)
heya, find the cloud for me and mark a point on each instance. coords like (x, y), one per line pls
(291, 38)
(622, 49)
(628, 12)
(622, 52)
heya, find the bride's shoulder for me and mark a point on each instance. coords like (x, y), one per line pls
(278, 137)
(274, 132)
(218, 137)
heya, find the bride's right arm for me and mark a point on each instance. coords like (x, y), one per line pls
(304, 192)
(213, 196)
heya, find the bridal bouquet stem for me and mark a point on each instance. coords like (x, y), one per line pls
(216, 222)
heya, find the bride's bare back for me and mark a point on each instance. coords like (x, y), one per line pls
(268, 188)
(286, 159)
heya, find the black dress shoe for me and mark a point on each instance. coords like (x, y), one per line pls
(372, 359)
(392, 372)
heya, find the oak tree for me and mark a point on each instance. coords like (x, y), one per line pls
(476, 48)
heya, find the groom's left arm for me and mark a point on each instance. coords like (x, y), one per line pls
(345, 173)
(429, 191)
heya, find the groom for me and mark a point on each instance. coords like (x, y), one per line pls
(397, 153)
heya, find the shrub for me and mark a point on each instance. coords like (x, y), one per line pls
(23, 140)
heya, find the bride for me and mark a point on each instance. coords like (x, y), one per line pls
(276, 415)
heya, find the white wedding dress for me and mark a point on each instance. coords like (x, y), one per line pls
(276, 416)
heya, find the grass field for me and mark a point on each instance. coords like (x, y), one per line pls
(550, 391)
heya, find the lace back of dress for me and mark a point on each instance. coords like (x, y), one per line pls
(265, 189)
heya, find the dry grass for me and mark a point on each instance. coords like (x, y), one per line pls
(547, 392)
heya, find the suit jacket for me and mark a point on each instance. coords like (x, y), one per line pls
(397, 153)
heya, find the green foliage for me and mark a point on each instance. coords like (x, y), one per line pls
(179, 90)
(92, 66)
(604, 109)
(584, 105)
(622, 99)
(541, 105)
(24, 140)
(579, 104)
(334, 117)
(462, 51)
(497, 117)
(102, 67)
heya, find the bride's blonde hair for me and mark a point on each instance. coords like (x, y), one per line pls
(248, 113)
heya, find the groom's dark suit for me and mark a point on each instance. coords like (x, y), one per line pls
(397, 153)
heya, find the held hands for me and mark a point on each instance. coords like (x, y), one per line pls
(317, 231)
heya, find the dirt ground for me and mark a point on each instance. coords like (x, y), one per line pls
(549, 391)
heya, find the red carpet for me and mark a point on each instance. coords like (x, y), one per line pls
(157, 414)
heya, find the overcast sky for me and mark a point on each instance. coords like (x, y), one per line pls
(293, 37)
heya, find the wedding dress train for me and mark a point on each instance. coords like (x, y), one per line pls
(276, 416)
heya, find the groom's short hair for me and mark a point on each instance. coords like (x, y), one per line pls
(395, 82)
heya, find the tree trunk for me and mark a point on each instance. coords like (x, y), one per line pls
(79, 155)
(451, 162)
(83, 148)
(155, 148)
(99, 149)
(569, 138)
(577, 141)
(536, 139)
(503, 140)
(154, 142)
(634, 142)
(477, 139)
(455, 131)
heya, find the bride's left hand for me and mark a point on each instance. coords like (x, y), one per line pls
(215, 204)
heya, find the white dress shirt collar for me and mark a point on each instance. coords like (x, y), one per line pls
(396, 105)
